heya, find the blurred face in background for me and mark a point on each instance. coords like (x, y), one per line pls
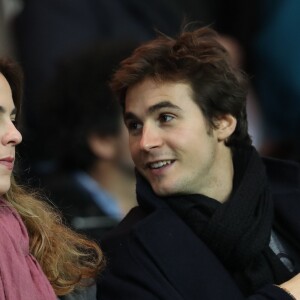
(9, 135)
(113, 149)
(124, 155)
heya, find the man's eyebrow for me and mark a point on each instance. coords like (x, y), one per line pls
(160, 105)
(152, 109)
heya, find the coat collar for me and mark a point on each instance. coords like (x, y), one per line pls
(184, 259)
(283, 175)
(284, 181)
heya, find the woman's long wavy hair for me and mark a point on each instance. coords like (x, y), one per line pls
(68, 259)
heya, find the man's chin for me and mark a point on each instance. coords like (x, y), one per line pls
(163, 191)
(161, 186)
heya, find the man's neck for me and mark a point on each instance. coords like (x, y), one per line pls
(221, 186)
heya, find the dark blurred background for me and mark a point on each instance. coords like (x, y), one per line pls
(49, 38)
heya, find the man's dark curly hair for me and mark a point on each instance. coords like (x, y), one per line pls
(196, 58)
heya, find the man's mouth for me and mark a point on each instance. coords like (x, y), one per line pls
(159, 164)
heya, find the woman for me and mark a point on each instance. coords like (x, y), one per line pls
(40, 258)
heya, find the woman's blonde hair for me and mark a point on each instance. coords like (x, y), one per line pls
(68, 259)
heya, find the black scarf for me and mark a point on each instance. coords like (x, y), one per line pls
(238, 231)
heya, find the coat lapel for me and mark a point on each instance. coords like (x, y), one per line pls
(183, 258)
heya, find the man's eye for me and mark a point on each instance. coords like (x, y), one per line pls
(166, 118)
(134, 126)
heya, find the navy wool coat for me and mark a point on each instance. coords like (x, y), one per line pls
(157, 256)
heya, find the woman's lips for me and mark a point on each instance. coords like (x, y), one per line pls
(7, 162)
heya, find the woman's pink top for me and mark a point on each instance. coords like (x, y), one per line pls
(21, 277)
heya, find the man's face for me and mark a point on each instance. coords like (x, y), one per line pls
(169, 139)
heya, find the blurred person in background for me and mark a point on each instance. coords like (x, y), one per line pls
(275, 55)
(40, 258)
(268, 33)
(49, 31)
(90, 173)
(254, 114)
(9, 9)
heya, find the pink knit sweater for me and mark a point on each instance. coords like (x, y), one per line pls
(21, 277)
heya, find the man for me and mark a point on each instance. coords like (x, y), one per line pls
(86, 143)
(214, 221)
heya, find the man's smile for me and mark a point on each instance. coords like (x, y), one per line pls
(159, 164)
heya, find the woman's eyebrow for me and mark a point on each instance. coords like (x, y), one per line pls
(14, 111)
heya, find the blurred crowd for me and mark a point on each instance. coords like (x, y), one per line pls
(74, 142)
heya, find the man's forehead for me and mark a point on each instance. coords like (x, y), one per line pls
(149, 92)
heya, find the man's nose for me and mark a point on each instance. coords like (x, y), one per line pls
(151, 137)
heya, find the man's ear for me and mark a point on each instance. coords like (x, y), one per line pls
(226, 125)
(102, 147)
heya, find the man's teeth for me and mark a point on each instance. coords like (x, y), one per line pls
(159, 164)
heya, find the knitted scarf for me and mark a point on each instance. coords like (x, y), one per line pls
(21, 275)
(237, 231)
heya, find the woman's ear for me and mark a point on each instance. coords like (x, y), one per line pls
(102, 147)
(226, 126)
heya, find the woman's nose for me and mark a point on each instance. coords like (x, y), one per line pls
(12, 136)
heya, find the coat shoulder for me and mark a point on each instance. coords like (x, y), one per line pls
(283, 175)
(124, 228)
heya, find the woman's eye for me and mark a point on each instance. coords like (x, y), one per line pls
(13, 118)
